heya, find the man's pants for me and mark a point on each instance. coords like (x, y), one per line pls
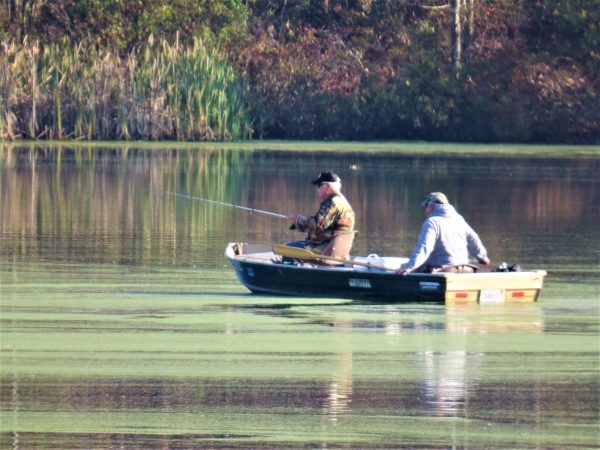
(426, 268)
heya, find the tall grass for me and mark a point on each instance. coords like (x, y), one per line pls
(159, 91)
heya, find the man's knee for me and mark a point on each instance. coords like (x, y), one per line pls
(457, 269)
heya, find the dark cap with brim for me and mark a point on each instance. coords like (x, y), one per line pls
(326, 177)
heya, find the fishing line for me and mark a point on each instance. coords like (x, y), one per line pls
(245, 208)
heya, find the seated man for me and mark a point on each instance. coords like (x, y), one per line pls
(334, 217)
(445, 241)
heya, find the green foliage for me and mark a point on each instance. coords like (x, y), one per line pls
(367, 69)
(124, 24)
(569, 29)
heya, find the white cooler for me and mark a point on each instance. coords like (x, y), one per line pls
(392, 262)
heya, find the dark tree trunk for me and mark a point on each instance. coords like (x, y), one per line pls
(12, 11)
(22, 20)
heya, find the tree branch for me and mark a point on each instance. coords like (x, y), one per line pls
(434, 8)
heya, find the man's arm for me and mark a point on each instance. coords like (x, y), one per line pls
(423, 249)
(475, 246)
(324, 218)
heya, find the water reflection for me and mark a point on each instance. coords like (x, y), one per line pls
(163, 348)
(394, 319)
(198, 412)
(505, 318)
(89, 204)
(339, 392)
(445, 386)
(392, 326)
(14, 398)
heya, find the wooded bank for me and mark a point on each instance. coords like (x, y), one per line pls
(461, 70)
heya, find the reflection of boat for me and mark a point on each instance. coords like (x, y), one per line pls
(519, 318)
(444, 385)
(257, 268)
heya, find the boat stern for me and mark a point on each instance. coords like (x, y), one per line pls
(494, 287)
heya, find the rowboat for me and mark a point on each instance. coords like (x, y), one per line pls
(260, 269)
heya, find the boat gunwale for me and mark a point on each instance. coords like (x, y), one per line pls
(348, 268)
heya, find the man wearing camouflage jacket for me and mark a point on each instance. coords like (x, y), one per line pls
(335, 215)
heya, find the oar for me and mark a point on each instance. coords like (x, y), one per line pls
(301, 253)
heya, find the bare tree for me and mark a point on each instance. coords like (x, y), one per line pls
(456, 32)
(459, 9)
(471, 6)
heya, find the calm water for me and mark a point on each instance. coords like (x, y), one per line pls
(124, 326)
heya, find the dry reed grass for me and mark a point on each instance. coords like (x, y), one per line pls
(160, 91)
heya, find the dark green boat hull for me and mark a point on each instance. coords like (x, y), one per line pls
(282, 279)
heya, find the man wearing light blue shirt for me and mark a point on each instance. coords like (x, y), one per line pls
(445, 242)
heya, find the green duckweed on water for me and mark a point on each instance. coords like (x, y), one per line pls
(139, 360)
(123, 325)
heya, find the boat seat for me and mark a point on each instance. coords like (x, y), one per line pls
(339, 247)
(248, 249)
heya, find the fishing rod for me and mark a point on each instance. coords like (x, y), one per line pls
(229, 204)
